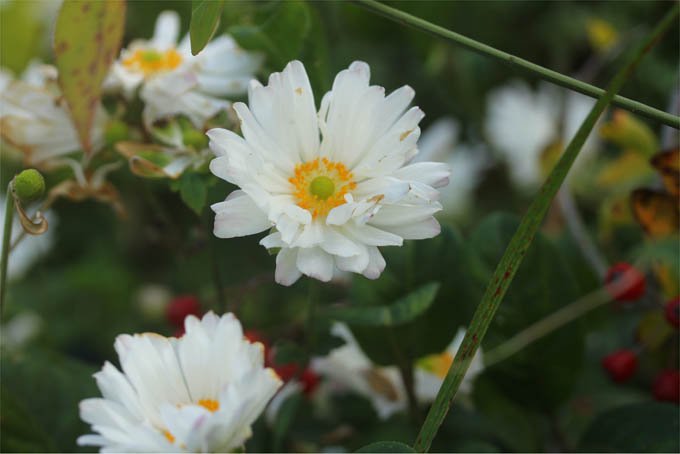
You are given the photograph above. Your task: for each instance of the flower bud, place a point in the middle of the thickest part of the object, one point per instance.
(29, 185)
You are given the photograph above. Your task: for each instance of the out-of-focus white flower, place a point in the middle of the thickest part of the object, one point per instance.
(174, 81)
(288, 390)
(439, 143)
(332, 200)
(522, 123)
(30, 248)
(430, 371)
(34, 118)
(348, 368)
(153, 299)
(198, 393)
(20, 330)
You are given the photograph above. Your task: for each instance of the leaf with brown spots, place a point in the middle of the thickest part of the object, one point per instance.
(657, 212)
(87, 38)
(668, 164)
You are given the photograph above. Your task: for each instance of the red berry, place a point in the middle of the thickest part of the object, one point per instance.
(310, 381)
(286, 371)
(620, 365)
(625, 282)
(666, 386)
(181, 307)
(672, 311)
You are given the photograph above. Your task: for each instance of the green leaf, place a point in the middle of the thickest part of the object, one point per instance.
(20, 431)
(21, 34)
(205, 18)
(284, 420)
(193, 192)
(402, 311)
(61, 383)
(87, 39)
(641, 427)
(287, 352)
(281, 36)
(386, 446)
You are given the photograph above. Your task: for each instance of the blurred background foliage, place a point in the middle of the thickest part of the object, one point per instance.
(552, 396)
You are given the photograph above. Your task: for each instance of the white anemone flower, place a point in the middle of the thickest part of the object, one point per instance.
(348, 368)
(199, 393)
(440, 143)
(335, 186)
(30, 248)
(175, 81)
(35, 119)
(522, 123)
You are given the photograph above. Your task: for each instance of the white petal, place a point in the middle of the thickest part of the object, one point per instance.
(376, 263)
(238, 216)
(316, 263)
(166, 31)
(433, 174)
(287, 272)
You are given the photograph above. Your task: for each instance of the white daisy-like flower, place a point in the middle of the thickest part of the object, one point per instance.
(175, 81)
(31, 248)
(522, 123)
(439, 143)
(199, 393)
(348, 368)
(335, 186)
(34, 118)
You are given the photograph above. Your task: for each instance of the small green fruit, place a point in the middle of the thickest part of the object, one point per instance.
(29, 185)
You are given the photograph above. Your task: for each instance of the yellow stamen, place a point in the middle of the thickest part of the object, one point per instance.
(209, 404)
(149, 61)
(321, 185)
(169, 436)
(437, 364)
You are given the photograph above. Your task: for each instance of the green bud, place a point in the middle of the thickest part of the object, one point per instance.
(196, 139)
(116, 131)
(29, 185)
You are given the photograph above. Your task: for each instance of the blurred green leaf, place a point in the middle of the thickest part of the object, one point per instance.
(287, 352)
(87, 39)
(205, 18)
(284, 420)
(49, 387)
(445, 259)
(402, 311)
(20, 430)
(21, 33)
(543, 374)
(642, 427)
(193, 192)
(281, 36)
(386, 446)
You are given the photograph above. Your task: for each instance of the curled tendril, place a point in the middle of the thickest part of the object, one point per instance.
(33, 226)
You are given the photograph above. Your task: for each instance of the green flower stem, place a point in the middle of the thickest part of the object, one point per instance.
(521, 241)
(6, 236)
(545, 73)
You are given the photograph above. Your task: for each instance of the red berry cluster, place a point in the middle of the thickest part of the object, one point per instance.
(307, 378)
(625, 282)
(180, 308)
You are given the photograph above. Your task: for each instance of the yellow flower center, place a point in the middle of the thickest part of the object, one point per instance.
(150, 61)
(437, 364)
(321, 185)
(209, 404)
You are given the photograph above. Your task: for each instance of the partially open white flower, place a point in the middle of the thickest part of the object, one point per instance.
(198, 393)
(334, 187)
(467, 162)
(348, 368)
(522, 123)
(175, 81)
(34, 118)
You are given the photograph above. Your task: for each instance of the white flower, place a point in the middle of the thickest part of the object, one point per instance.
(21, 330)
(439, 143)
(34, 118)
(174, 81)
(331, 199)
(198, 393)
(349, 368)
(522, 123)
(30, 248)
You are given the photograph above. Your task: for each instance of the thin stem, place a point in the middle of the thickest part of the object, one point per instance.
(578, 231)
(522, 240)
(6, 236)
(545, 73)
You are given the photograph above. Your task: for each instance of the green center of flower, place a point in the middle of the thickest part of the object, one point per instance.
(151, 56)
(322, 187)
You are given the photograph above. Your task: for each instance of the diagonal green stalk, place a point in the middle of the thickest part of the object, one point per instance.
(514, 254)
(545, 73)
